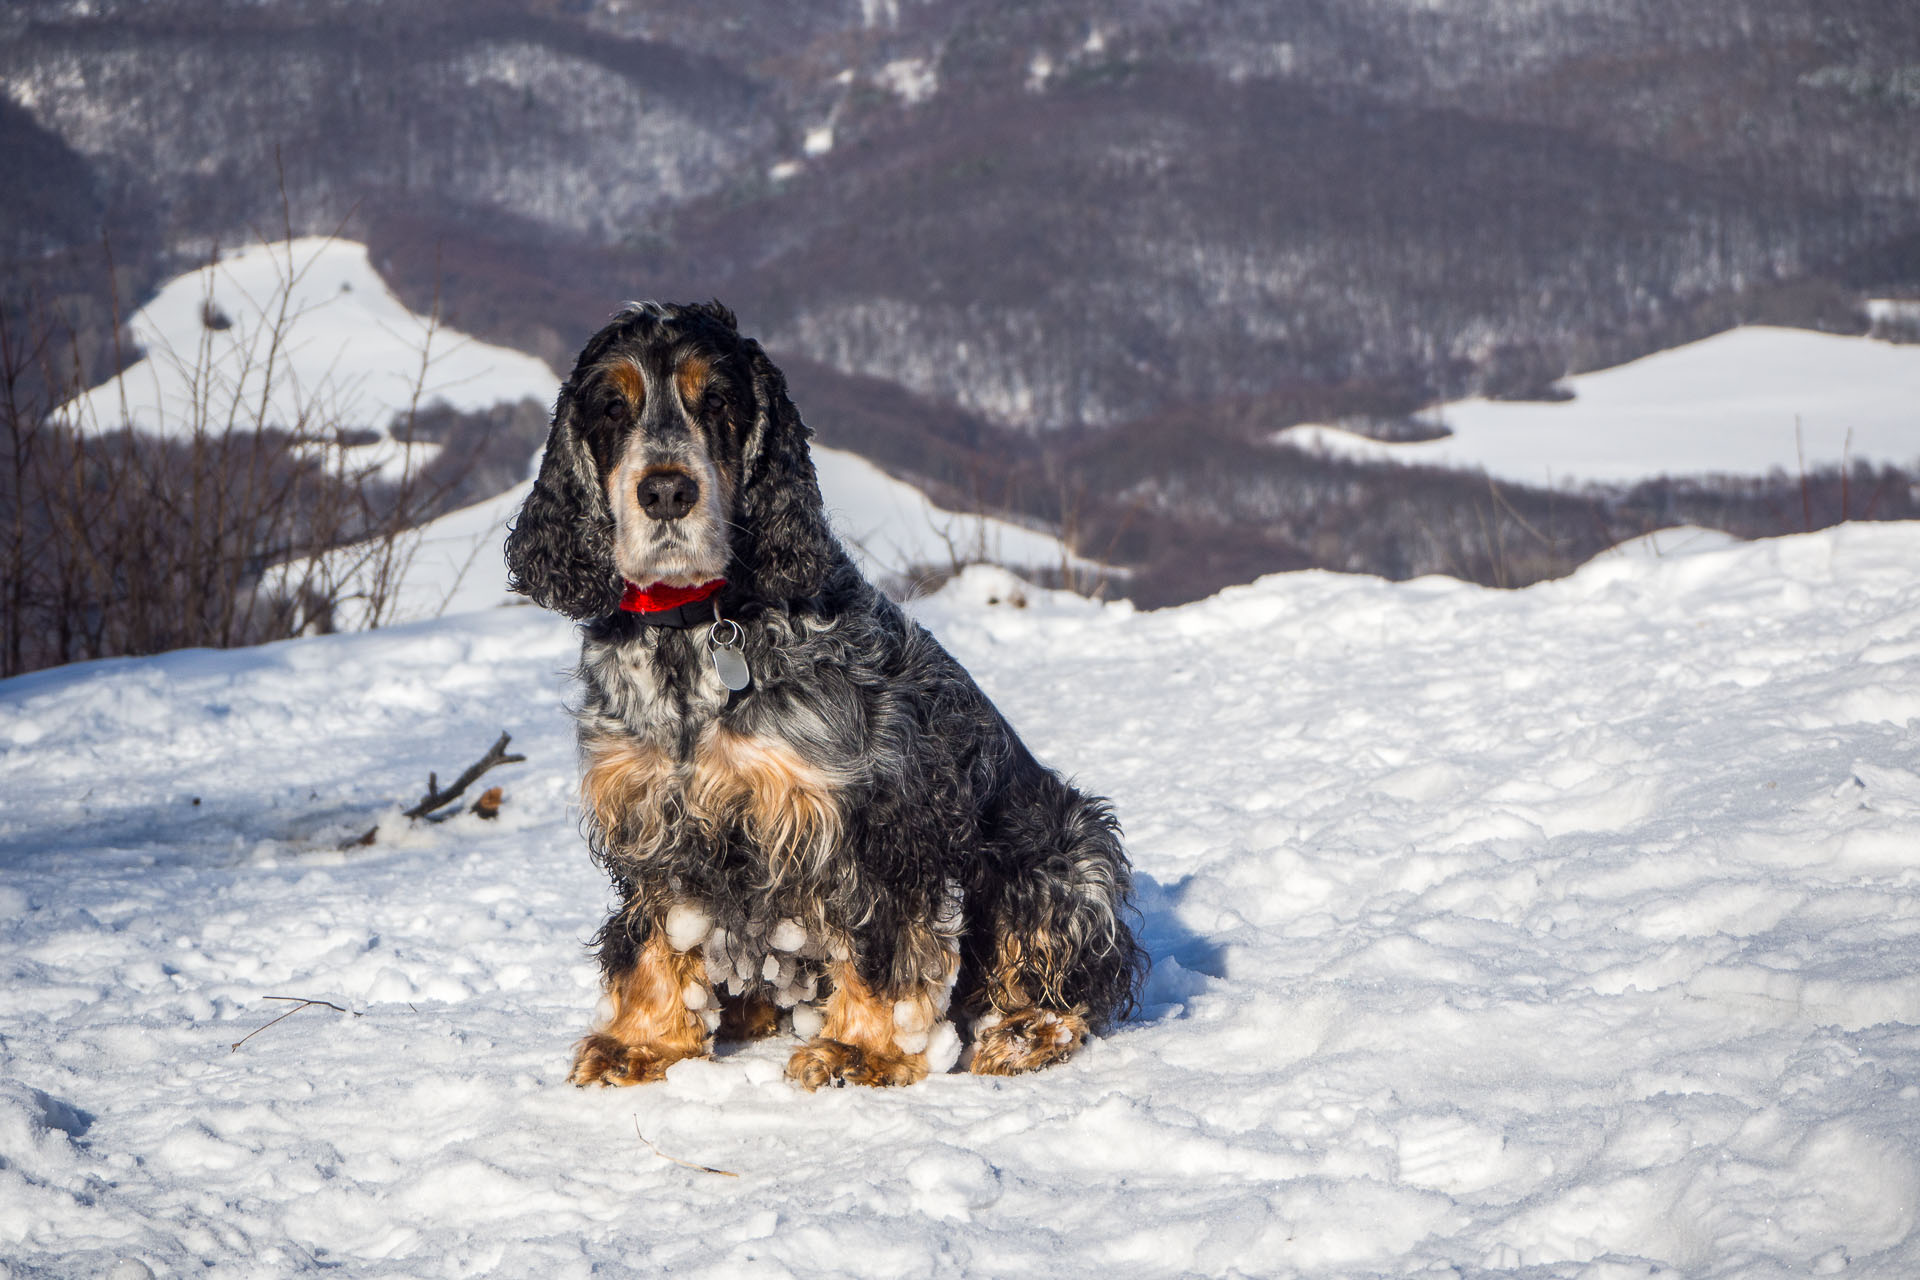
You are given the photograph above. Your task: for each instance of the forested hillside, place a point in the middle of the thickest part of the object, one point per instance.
(996, 237)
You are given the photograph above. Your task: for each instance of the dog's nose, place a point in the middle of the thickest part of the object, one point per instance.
(668, 495)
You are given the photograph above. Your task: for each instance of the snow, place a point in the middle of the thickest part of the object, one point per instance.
(450, 565)
(315, 340)
(892, 527)
(1677, 540)
(1745, 402)
(912, 80)
(447, 566)
(1564, 932)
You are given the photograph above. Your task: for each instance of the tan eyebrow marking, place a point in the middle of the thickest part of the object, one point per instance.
(691, 376)
(625, 376)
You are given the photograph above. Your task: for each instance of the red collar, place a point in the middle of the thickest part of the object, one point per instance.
(660, 597)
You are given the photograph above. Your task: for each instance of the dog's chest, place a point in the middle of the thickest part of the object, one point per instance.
(667, 780)
(664, 690)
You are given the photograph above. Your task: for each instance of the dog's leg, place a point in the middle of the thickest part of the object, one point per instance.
(870, 1037)
(651, 1026)
(752, 1016)
(1059, 956)
(1017, 1034)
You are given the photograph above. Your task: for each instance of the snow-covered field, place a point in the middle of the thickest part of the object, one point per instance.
(1572, 931)
(1744, 402)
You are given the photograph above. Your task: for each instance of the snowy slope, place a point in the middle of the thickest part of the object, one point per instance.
(452, 565)
(893, 528)
(314, 336)
(1744, 402)
(311, 337)
(1568, 932)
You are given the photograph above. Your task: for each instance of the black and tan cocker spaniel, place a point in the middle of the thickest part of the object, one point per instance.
(804, 803)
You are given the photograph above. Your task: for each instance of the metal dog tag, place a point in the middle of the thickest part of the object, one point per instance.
(732, 669)
(728, 662)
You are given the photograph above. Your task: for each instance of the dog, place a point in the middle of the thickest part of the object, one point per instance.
(809, 811)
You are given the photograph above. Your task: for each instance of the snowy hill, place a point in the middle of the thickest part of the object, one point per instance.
(1745, 402)
(1564, 932)
(302, 334)
(890, 527)
(308, 333)
(1115, 207)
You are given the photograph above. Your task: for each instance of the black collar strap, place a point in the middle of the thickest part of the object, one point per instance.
(695, 613)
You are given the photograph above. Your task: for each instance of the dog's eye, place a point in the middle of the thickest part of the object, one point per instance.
(713, 403)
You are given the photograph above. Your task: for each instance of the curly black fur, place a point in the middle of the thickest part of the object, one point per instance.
(938, 802)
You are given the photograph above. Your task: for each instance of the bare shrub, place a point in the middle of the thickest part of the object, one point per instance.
(224, 524)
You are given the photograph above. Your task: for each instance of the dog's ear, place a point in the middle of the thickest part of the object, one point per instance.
(788, 549)
(560, 546)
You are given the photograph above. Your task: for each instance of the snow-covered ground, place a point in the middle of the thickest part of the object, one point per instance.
(1565, 932)
(1744, 402)
(893, 528)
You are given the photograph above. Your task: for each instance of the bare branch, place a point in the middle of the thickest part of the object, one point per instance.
(488, 806)
(435, 797)
(684, 1164)
(304, 1003)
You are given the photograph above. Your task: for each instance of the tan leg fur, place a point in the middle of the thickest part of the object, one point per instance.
(651, 1027)
(860, 1042)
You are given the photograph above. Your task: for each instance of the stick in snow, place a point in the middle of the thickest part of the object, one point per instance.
(685, 1164)
(436, 798)
(497, 754)
(304, 1004)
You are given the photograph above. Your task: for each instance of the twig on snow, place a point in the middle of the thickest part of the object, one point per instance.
(436, 798)
(304, 1003)
(685, 1164)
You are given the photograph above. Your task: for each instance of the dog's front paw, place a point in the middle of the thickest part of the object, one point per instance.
(1027, 1040)
(601, 1059)
(822, 1062)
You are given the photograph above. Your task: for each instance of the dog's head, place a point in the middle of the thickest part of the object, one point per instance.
(675, 456)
